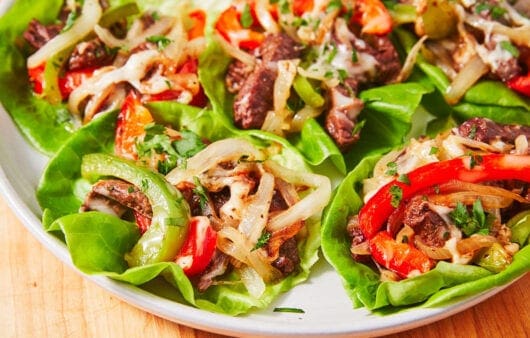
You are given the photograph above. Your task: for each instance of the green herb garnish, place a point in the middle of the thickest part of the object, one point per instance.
(396, 195)
(160, 40)
(288, 309)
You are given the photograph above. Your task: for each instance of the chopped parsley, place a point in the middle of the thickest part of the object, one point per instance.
(246, 17)
(510, 48)
(160, 40)
(396, 194)
(474, 161)
(391, 168)
(354, 56)
(201, 192)
(144, 185)
(403, 178)
(72, 16)
(332, 54)
(433, 151)
(474, 222)
(263, 240)
(343, 74)
(334, 5)
(495, 11)
(175, 151)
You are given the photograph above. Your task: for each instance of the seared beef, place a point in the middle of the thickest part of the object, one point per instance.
(119, 195)
(341, 117)
(217, 267)
(90, 54)
(382, 49)
(37, 34)
(255, 98)
(427, 224)
(237, 73)
(289, 258)
(486, 130)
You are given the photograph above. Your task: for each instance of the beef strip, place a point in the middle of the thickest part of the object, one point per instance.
(388, 64)
(289, 258)
(89, 54)
(119, 195)
(341, 117)
(487, 131)
(37, 34)
(427, 224)
(236, 75)
(255, 98)
(217, 267)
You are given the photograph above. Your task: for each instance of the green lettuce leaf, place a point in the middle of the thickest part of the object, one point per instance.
(44, 126)
(445, 283)
(106, 239)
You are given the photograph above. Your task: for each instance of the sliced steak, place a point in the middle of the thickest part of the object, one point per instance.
(341, 117)
(381, 48)
(255, 97)
(427, 224)
(37, 34)
(487, 131)
(289, 258)
(120, 195)
(90, 54)
(217, 267)
(236, 75)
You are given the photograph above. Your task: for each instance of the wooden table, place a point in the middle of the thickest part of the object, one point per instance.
(40, 296)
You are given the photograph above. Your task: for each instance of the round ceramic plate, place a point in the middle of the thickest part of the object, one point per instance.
(327, 309)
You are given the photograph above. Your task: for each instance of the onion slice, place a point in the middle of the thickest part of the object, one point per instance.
(471, 73)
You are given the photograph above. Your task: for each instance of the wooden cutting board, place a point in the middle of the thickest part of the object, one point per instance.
(42, 297)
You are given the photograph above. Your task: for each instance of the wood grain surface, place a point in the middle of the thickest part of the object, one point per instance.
(42, 297)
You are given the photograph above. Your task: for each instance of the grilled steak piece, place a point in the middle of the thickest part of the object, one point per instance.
(89, 54)
(255, 97)
(427, 224)
(341, 117)
(289, 258)
(217, 267)
(119, 195)
(381, 48)
(237, 73)
(487, 131)
(37, 34)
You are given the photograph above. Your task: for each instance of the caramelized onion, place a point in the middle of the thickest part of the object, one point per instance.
(434, 252)
(474, 243)
(235, 52)
(471, 73)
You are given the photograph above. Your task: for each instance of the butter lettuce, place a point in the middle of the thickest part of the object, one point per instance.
(440, 286)
(98, 243)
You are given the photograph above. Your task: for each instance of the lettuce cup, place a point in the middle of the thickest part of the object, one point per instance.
(442, 218)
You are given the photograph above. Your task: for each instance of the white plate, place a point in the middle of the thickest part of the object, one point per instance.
(328, 310)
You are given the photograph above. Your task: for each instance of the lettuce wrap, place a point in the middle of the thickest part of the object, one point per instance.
(390, 107)
(98, 243)
(445, 283)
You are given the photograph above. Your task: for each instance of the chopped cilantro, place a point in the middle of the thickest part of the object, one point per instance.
(334, 5)
(354, 56)
(474, 161)
(144, 185)
(246, 17)
(343, 74)
(72, 16)
(201, 192)
(288, 309)
(357, 128)
(396, 195)
(160, 40)
(155, 16)
(332, 54)
(189, 145)
(403, 178)
(433, 151)
(470, 223)
(472, 132)
(262, 241)
(510, 48)
(328, 74)
(392, 168)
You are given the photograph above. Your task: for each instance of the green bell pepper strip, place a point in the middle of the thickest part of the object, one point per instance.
(307, 93)
(169, 225)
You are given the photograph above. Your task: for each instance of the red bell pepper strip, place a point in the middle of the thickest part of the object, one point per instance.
(402, 258)
(520, 84)
(302, 6)
(67, 82)
(373, 16)
(198, 248)
(199, 22)
(476, 168)
(132, 119)
(229, 26)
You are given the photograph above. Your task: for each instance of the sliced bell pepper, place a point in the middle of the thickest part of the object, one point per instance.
(198, 248)
(520, 84)
(169, 224)
(302, 6)
(199, 22)
(230, 27)
(476, 168)
(132, 119)
(373, 16)
(402, 258)
(66, 83)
